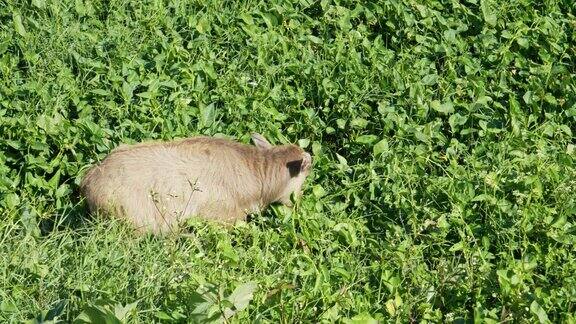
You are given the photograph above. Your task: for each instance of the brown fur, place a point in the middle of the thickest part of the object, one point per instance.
(156, 185)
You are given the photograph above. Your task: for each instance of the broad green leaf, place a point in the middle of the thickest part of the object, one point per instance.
(40, 4)
(101, 92)
(390, 307)
(247, 18)
(80, 7)
(360, 123)
(445, 107)
(457, 247)
(303, 143)
(203, 25)
(207, 115)
(18, 26)
(537, 310)
(318, 191)
(347, 232)
(489, 16)
(523, 42)
(381, 147)
(456, 120)
(430, 79)
(315, 39)
(241, 297)
(8, 306)
(127, 91)
(366, 139)
(342, 161)
(123, 312)
(566, 129)
(11, 201)
(163, 316)
(363, 318)
(55, 180)
(527, 97)
(228, 251)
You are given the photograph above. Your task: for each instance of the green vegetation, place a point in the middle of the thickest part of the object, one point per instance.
(444, 185)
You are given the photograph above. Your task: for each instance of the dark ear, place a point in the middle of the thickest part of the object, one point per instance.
(297, 166)
(260, 141)
(294, 167)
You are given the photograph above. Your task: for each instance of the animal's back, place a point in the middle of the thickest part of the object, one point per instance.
(156, 184)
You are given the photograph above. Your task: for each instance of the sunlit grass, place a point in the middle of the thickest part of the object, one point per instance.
(442, 133)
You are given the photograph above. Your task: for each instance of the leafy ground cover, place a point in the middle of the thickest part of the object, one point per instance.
(442, 132)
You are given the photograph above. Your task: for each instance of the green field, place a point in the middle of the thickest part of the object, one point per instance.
(442, 131)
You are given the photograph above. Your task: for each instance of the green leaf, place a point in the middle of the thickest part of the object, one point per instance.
(527, 97)
(11, 201)
(40, 4)
(537, 310)
(381, 147)
(202, 300)
(566, 129)
(18, 26)
(390, 307)
(228, 251)
(203, 25)
(342, 161)
(247, 18)
(163, 316)
(457, 247)
(445, 108)
(7, 306)
(318, 191)
(127, 91)
(523, 42)
(314, 39)
(347, 233)
(359, 123)
(241, 297)
(123, 312)
(55, 180)
(489, 17)
(208, 68)
(55, 310)
(363, 318)
(430, 79)
(366, 139)
(303, 143)
(80, 7)
(456, 120)
(102, 92)
(207, 115)
(269, 19)
(94, 315)
(145, 94)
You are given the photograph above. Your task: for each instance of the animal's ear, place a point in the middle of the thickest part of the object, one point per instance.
(297, 166)
(306, 162)
(260, 141)
(294, 167)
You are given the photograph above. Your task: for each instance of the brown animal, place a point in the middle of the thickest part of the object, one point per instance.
(156, 185)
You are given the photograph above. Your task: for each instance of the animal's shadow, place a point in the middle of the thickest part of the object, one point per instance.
(76, 217)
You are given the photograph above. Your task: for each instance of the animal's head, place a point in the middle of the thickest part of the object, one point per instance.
(289, 165)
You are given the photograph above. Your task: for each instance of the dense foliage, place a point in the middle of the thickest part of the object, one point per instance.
(444, 183)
